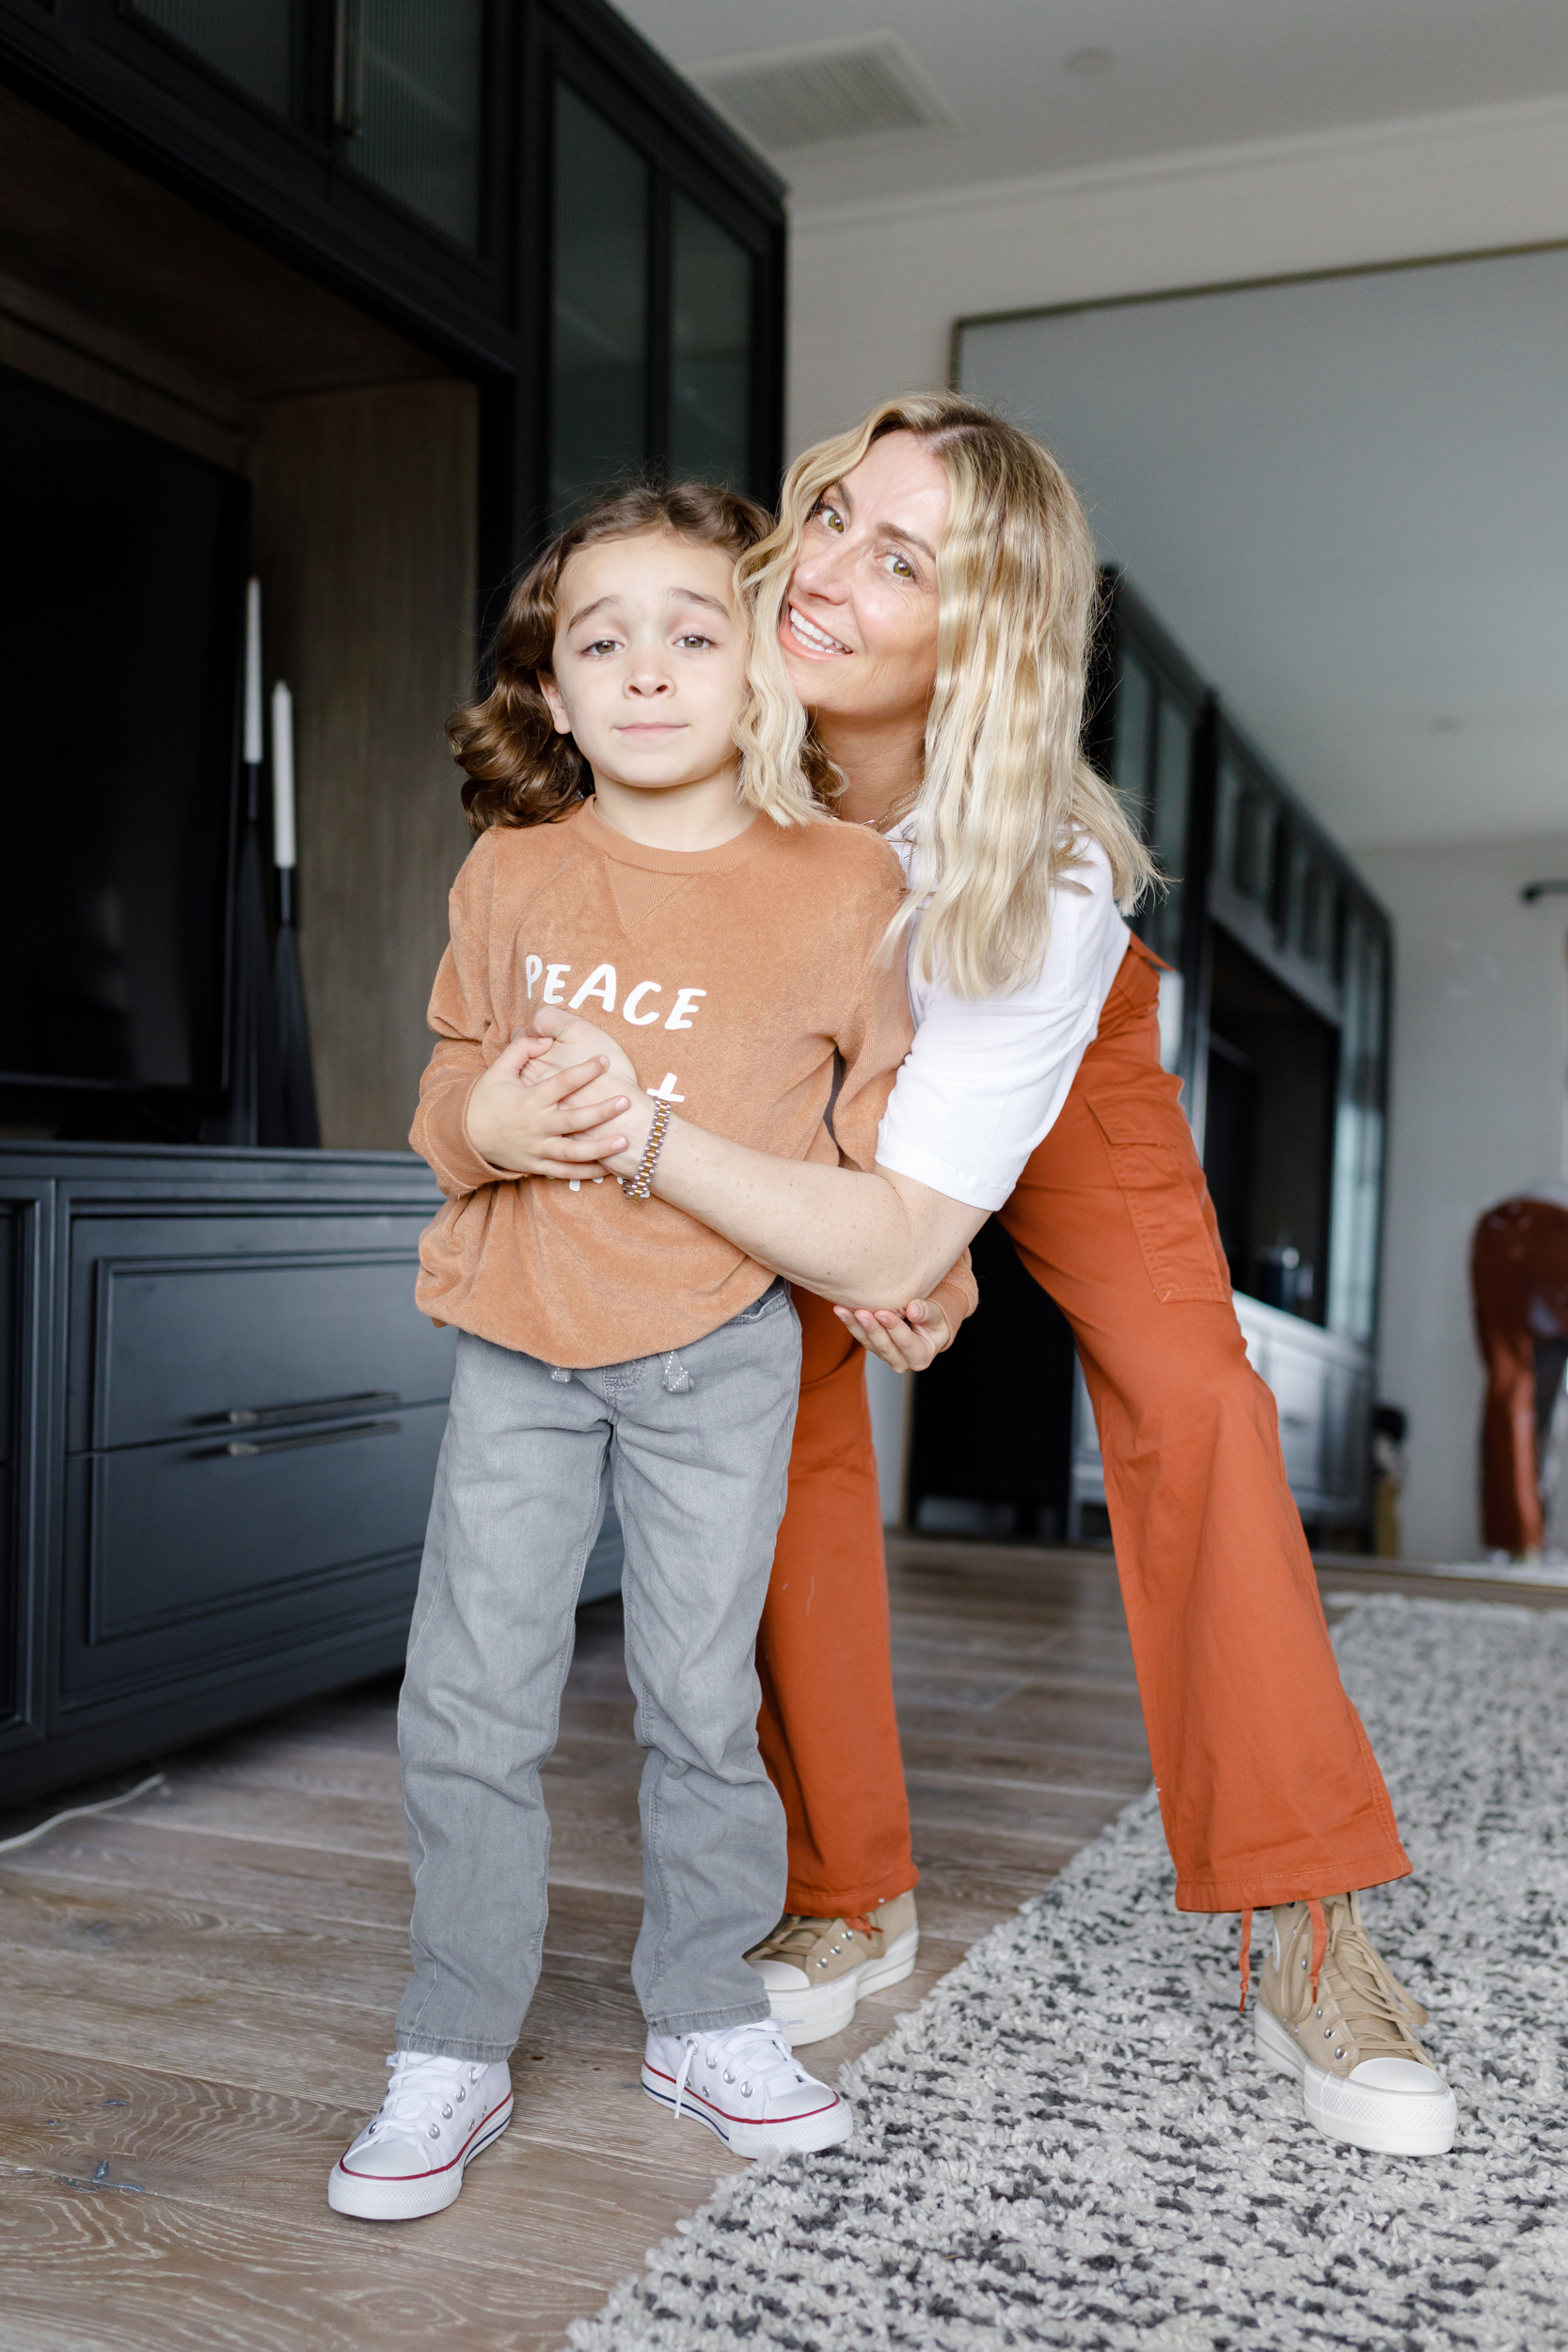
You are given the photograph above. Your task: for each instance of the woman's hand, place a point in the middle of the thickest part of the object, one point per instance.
(534, 1123)
(907, 1341)
(562, 1040)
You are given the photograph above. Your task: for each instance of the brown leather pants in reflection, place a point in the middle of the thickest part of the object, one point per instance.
(1519, 1277)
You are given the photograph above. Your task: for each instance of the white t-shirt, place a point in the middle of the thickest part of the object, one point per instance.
(987, 1077)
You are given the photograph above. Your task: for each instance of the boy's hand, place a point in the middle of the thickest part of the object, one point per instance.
(907, 1341)
(530, 1126)
(571, 1038)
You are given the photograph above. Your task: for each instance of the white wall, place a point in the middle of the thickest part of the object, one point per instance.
(876, 287)
(1480, 1049)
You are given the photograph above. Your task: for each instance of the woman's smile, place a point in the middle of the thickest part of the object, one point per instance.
(809, 638)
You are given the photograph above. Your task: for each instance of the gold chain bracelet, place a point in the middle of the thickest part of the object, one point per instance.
(639, 1186)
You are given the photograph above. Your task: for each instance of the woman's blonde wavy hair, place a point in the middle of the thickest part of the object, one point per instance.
(1007, 797)
(518, 770)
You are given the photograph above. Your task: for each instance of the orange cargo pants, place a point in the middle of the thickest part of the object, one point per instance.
(1268, 1786)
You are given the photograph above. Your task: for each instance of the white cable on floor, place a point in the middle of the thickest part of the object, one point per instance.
(77, 1812)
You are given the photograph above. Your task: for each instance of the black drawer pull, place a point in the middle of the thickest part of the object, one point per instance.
(242, 1448)
(314, 1408)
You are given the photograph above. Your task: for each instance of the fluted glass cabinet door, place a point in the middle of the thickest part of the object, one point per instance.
(599, 376)
(710, 342)
(1358, 1141)
(1170, 832)
(409, 77)
(250, 44)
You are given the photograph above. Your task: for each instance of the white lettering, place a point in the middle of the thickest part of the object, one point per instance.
(533, 966)
(686, 1001)
(600, 983)
(629, 1011)
(666, 1093)
(554, 975)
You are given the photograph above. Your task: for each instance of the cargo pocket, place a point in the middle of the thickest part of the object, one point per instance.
(1157, 1168)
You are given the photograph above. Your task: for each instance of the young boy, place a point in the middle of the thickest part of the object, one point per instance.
(697, 906)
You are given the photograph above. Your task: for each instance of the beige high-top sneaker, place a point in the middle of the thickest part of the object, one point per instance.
(1364, 2075)
(815, 1970)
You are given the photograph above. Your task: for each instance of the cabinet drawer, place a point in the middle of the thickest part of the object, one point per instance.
(1297, 1381)
(246, 1323)
(182, 1555)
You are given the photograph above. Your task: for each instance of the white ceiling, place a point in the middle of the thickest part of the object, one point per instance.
(1183, 74)
(1348, 501)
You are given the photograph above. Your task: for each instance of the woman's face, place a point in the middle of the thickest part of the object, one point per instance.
(858, 627)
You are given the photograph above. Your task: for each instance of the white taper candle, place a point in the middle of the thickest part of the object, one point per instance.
(255, 749)
(282, 775)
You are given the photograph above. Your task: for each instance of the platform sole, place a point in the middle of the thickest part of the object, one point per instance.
(813, 2012)
(1387, 2123)
(799, 2136)
(364, 2198)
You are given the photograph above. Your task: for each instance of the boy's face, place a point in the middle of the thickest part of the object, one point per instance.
(650, 662)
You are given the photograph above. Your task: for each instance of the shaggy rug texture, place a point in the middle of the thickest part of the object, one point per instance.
(1071, 2142)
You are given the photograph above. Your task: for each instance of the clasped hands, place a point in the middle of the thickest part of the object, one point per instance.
(562, 1099)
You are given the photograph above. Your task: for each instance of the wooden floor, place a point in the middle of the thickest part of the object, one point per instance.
(198, 1992)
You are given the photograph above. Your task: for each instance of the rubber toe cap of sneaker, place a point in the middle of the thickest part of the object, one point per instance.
(787, 2107)
(389, 2159)
(1403, 2077)
(780, 1976)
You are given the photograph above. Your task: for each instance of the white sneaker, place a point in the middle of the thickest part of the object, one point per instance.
(745, 2084)
(815, 1970)
(438, 2112)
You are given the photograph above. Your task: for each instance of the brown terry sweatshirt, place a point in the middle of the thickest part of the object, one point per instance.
(734, 977)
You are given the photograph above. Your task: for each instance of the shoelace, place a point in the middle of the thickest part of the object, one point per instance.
(1373, 2003)
(417, 2086)
(760, 2054)
(798, 1934)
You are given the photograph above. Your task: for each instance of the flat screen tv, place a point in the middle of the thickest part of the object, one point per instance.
(122, 560)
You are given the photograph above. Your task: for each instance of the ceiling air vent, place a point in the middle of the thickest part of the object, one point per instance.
(827, 89)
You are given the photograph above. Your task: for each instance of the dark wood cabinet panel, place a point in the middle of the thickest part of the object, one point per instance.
(190, 1324)
(222, 1417)
(178, 1555)
(9, 1238)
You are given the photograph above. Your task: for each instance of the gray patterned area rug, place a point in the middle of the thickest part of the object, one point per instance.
(1071, 2143)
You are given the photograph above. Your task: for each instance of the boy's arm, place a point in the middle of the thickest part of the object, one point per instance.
(473, 1071)
(462, 1017)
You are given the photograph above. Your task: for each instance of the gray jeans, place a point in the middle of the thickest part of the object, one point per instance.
(695, 1450)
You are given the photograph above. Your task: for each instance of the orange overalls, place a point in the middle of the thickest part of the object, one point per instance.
(1268, 1786)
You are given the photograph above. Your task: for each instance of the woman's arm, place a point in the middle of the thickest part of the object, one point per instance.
(874, 1240)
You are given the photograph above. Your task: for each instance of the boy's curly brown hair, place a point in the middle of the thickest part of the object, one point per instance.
(519, 770)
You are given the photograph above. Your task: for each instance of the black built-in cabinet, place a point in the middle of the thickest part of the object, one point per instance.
(219, 1416)
(523, 186)
(219, 1409)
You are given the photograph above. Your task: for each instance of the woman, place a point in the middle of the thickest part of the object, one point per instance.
(930, 591)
